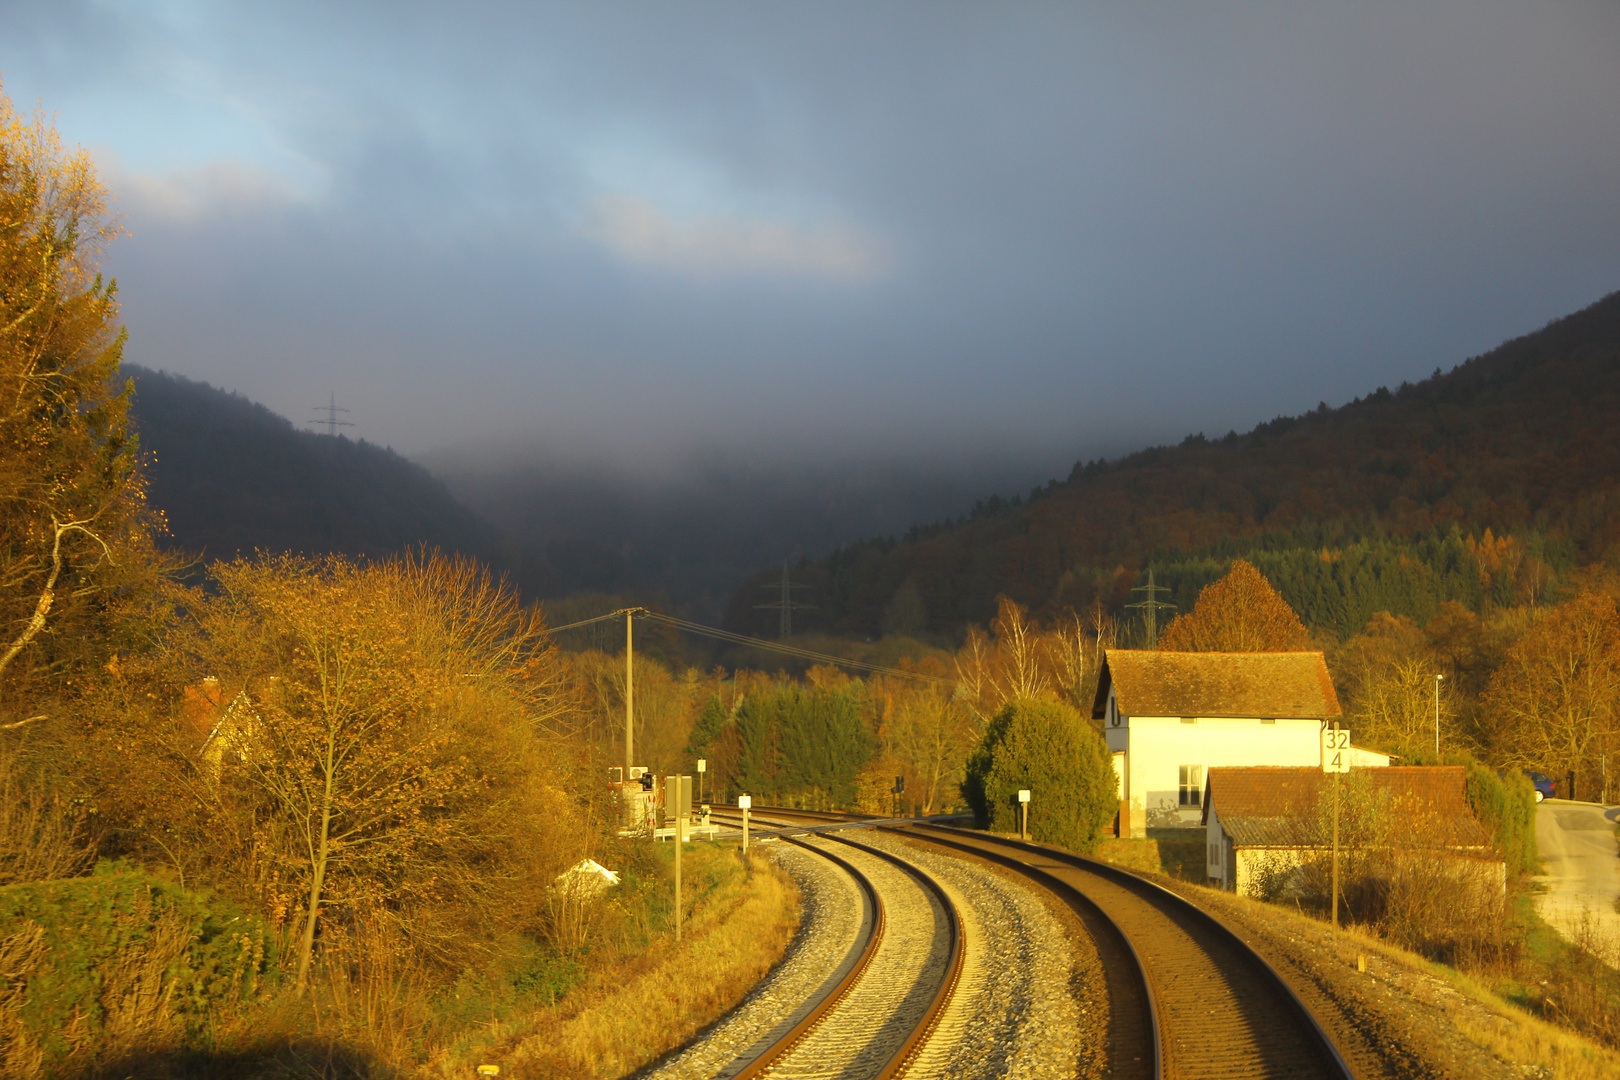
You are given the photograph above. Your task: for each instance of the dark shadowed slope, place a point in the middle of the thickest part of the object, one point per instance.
(1526, 437)
(232, 476)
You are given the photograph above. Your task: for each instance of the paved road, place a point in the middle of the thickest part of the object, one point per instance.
(1582, 857)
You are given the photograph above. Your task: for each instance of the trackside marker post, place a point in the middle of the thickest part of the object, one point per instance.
(1023, 814)
(1335, 760)
(743, 804)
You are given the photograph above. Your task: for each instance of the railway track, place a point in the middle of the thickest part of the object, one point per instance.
(876, 1012)
(1188, 998)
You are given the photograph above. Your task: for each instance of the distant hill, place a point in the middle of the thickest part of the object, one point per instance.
(689, 535)
(232, 477)
(1524, 439)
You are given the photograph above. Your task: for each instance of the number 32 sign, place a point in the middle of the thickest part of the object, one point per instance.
(1335, 750)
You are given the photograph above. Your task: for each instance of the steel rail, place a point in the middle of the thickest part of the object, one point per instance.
(1150, 1051)
(913, 1043)
(764, 1059)
(1149, 892)
(1158, 896)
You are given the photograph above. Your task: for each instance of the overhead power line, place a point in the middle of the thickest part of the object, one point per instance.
(793, 650)
(586, 622)
(758, 643)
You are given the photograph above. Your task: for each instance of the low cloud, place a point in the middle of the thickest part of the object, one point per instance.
(642, 232)
(220, 188)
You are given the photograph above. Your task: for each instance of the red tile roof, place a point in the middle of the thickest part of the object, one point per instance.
(1287, 806)
(1266, 685)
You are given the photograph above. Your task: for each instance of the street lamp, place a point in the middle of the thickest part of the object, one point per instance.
(1437, 679)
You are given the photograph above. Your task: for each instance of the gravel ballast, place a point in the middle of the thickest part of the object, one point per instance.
(1024, 1006)
(828, 925)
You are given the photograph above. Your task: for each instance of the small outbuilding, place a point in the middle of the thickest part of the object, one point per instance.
(1264, 822)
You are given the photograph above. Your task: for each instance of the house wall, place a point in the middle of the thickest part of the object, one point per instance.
(1215, 845)
(1156, 747)
(1252, 863)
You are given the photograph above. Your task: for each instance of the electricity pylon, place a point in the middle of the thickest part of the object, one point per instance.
(331, 423)
(1151, 607)
(786, 605)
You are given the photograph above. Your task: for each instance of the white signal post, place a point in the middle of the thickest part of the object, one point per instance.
(743, 803)
(1335, 760)
(1023, 814)
(702, 766)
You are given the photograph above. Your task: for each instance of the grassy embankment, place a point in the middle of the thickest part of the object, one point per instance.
(125, 973)
(632, 1008)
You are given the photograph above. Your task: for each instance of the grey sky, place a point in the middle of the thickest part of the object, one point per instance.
(1033, 231)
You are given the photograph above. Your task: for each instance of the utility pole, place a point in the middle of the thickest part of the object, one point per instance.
(1151, 607)
(331, 423)
(629, 687)
(786, 605)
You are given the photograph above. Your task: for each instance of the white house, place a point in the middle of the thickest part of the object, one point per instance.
(1171, 716)
(1263, 823)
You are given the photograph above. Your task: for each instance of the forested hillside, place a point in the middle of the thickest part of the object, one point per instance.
(1371, 506)
(233, 477)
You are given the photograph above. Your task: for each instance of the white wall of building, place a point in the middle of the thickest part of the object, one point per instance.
(1156, 749)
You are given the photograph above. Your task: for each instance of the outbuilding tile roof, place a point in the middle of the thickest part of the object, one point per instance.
(1411, 805)
(1266, 685)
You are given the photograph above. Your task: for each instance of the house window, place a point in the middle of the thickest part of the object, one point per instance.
(1215, 854)
(1192, 785)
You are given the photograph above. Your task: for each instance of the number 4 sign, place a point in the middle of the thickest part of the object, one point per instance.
(1335, 750)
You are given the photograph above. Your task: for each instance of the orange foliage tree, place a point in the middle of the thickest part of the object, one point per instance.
(1239, 613)
(387, 721)
(71, 509)
(1552, 704)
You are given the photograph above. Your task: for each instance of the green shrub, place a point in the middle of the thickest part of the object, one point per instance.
(1051, 750)
(1506, 806)
(115, 961)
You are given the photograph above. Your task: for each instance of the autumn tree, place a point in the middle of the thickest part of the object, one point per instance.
(1552, 703)
(1009, 663)
(1239, 613)
(386, 717)
(1395, 707)
(71, 507)
(929, 734)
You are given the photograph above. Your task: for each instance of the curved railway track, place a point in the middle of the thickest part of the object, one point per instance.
(878, 1009)
(1189, 999)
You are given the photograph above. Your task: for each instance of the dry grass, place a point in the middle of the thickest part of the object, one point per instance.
(1510, 1032)
(626, 1016)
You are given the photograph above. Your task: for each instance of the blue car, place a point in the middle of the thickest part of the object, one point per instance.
(1545, 788)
